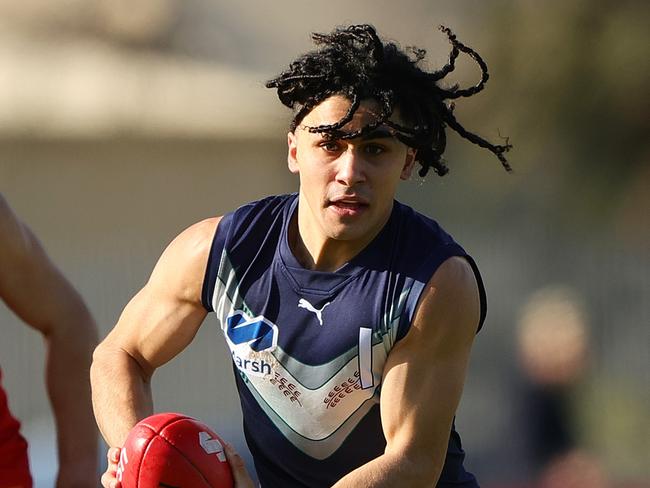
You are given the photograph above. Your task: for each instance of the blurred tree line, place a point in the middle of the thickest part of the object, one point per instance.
(574, 77)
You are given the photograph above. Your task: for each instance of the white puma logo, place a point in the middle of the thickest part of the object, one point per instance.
(302, 303)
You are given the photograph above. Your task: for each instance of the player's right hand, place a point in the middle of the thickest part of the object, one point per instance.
(240, 475)
(109, 478)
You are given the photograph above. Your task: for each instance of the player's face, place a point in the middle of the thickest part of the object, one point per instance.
(347, 186)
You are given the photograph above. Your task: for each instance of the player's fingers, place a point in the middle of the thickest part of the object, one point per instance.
(113, 455)
(108, 480)
(238, 468)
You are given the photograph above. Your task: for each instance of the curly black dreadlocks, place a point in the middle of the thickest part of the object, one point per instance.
(354, 62)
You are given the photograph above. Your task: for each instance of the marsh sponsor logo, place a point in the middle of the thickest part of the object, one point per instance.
(251, 339)
(254, 366)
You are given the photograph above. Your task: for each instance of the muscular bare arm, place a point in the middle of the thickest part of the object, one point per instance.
(423, 382)
(156, 325)
(39, 294)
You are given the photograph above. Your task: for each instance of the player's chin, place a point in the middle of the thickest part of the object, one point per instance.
(347, 231)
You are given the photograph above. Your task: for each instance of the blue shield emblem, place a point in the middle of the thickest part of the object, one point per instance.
(259, 333)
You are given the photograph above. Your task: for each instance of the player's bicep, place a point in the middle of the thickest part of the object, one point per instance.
(163, 318)
(153, 329)
(425, 372)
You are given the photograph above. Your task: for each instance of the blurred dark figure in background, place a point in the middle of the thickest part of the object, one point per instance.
(553, 350)
(34, 289)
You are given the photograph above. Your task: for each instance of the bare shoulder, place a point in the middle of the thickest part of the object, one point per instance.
(184, 261)
(196, 239)
(16, 240)
(9, 223)
(4, 206)
(450, 304)
(5, 209)
(455, 274)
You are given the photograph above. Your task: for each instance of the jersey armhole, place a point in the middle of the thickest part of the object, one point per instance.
(419, 286)
(482, 294)
(214, 261)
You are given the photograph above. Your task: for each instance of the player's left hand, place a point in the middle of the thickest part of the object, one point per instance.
(239, 473)
(109, 479)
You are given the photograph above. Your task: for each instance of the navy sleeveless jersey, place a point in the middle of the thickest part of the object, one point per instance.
(309, 347)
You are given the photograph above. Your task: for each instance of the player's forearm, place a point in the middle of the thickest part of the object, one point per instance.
(390, 470)
(69, 351)
(121, 393)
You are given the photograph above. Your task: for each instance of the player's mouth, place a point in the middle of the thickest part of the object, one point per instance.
(348, 206)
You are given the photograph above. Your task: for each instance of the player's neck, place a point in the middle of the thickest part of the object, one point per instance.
(317, 252)
(322, 257)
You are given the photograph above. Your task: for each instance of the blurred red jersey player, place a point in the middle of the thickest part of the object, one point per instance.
(36, 291)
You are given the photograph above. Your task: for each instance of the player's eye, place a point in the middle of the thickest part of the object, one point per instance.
(329, 146)
(374, 149)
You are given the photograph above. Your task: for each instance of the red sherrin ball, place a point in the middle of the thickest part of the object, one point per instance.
(175, 451)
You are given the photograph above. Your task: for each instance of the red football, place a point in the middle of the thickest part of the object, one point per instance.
(175, 451)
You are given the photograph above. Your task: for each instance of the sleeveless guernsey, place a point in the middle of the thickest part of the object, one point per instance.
(309, 347)
(14, 466)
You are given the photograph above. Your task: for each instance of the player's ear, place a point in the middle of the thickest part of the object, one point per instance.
(409, 163)
(292, 152)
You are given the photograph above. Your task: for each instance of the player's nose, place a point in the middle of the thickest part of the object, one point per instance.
(351, 168)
